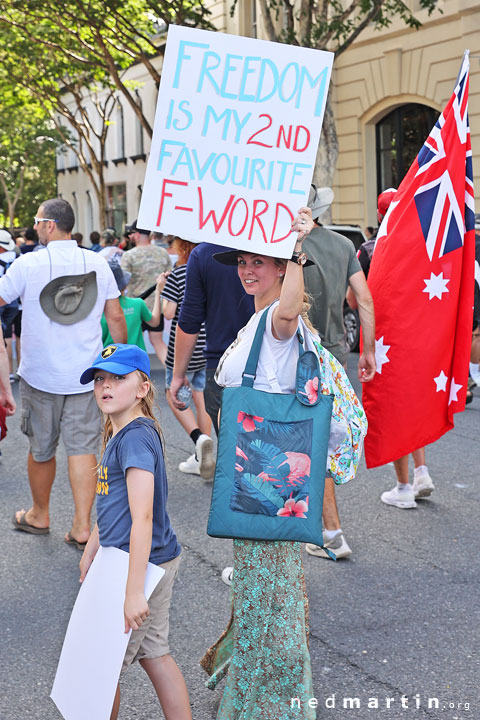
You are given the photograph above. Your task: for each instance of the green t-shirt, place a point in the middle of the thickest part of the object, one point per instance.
(135, 310)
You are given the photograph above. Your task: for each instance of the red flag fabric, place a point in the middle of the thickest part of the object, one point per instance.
(422, 280)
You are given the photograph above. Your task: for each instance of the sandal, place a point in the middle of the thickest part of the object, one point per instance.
(22, 524)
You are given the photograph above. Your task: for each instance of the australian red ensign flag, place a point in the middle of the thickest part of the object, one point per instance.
(422, 281)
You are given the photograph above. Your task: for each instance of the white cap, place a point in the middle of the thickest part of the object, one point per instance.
(6, 240)
(319, 200)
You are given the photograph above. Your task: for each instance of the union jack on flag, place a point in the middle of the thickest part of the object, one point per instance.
(422, 280)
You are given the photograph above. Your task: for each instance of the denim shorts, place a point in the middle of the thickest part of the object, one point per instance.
(196, 379)
(8, 314)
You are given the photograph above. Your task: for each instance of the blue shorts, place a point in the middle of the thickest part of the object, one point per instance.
(196, 379)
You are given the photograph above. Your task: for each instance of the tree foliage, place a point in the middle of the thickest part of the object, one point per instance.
(97, 40)
(27, 155)
(332, 24)
(71, 57)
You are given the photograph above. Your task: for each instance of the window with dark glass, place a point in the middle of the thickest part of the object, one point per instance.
(139, 149)
(120, 122)
(399, 137)
(117, 206)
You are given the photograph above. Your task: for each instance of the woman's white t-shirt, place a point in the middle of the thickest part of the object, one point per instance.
(111, 251)
(277, 364)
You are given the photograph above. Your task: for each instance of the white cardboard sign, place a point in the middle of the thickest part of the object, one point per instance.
(235, 139)
(95, 642)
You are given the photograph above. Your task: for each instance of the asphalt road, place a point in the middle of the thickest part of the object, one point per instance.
(399, 617)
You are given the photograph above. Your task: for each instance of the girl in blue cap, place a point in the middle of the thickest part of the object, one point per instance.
(132, 515)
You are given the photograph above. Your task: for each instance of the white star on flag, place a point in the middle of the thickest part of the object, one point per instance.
(436, 285)
(381, 351)
(441, 381)
(454, 388)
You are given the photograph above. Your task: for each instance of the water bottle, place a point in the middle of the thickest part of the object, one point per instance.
(185, 395)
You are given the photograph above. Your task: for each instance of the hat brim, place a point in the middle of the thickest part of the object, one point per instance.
(230, 257)
(110, 366)
(8, 247)
(85, 307)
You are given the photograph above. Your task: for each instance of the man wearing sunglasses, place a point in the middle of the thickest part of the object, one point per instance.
(64, 291)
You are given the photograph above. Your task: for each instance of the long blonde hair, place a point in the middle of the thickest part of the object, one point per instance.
(146, 406)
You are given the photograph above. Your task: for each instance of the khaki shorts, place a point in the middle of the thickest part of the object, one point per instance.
(151, 639)
(45, 415)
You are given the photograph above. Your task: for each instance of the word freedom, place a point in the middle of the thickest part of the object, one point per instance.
(249, 78)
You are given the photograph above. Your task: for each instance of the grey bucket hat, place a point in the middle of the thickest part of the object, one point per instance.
(319, 200)
(69, 298)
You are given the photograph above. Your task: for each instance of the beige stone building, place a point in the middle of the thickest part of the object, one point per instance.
(388, 89)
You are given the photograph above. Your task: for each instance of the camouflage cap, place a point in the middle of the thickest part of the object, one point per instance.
(109, 234)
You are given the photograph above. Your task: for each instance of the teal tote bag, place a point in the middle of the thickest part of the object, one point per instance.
(272, 456)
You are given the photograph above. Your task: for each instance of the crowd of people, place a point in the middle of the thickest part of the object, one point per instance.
(84, 315)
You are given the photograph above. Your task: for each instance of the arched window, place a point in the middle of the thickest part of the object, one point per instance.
(139, 149)
(75, 210)
(72, 159)
(120, 123)
(399, 137)
(60, 157)
(89, 214)
(254, 19)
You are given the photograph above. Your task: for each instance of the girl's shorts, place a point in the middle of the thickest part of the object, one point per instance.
(197, 379)
(151, 639)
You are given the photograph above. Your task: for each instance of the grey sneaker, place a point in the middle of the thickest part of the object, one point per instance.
(403, 499)
(204, 453)
(338, 546)
(423, 486)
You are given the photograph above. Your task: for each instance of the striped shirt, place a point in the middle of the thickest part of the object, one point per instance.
(174, 291)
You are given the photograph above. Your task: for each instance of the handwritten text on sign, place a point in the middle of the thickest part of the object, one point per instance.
(235, 139)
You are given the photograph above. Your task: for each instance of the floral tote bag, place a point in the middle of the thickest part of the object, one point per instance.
(272, 454)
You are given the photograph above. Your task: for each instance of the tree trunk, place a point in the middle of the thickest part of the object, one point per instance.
(102, 201)
(327, 154)
(11, 214)
(12, 199)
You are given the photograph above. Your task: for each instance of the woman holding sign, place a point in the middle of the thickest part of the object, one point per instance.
(270, 661)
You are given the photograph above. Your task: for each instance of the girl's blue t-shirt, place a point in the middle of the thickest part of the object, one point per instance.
(137, 445)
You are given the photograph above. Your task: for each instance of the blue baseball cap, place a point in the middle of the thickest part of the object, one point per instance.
(118, 359)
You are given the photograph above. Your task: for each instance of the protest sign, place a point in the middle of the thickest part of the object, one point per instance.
(235, 139)
(95, 641)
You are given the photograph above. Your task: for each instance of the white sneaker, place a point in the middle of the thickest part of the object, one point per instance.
(403, 499)
(423, 486)
(191, 466)
(227, 575)
(337, 545)
(204, 453)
